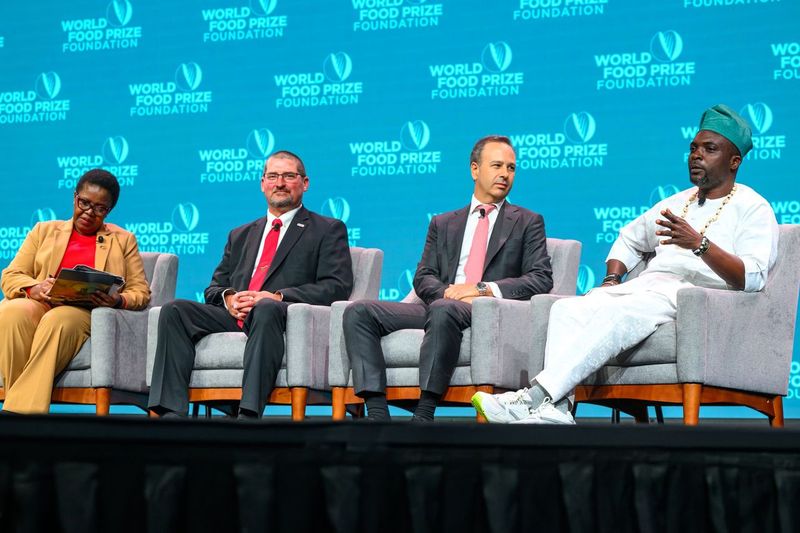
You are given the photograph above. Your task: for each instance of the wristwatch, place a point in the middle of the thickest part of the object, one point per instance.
(483, 289)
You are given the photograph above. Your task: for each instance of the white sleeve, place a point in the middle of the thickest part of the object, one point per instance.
(756, 244)
(636, 238)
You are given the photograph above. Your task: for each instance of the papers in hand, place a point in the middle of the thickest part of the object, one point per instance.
(75, 286)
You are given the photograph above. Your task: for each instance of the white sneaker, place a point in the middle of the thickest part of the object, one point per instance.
(547, 413)
(503, 408)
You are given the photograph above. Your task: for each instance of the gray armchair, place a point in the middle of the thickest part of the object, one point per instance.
(218, 364)
(724, 348)
(494, 353)
(110, 366)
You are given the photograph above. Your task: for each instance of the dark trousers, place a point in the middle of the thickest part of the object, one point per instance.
(183, 323)
(365, 322)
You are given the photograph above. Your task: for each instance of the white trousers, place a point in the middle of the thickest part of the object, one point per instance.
(586, 332)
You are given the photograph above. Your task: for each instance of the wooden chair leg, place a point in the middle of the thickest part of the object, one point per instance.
(659, 414)
(776, 421)
(691, 403)
(152, 414)
(102, 401)
(299, 400)
(337, 403)
(195, 410)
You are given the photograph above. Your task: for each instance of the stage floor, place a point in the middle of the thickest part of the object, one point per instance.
(129, 473)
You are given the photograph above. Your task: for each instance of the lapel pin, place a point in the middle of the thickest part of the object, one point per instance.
(301, 225)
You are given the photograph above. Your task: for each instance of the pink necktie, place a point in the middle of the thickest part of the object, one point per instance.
(477, 252)
(267, 254)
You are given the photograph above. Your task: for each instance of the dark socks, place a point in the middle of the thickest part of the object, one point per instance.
(377, 408)
(427, 405)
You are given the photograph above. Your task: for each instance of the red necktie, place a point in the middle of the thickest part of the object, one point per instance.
(267, 254)
(477, 252)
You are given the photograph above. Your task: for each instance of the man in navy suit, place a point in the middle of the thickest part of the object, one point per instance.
(490, 248)
(290, 255)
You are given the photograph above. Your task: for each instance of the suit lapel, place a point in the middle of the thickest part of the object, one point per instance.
(102, 248)
(293, 233)
(251, 245)
(455, 236)
(506, 220)
(60, 241)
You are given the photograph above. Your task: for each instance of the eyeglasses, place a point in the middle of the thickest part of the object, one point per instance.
(98, 209)
(287, 176)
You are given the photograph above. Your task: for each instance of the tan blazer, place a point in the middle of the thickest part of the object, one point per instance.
(44, 248)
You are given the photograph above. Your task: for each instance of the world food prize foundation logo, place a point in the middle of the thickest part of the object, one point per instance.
(488, 78)
(245, 23)
(586, 279)
(612, 218)
(178, 97)
(405, 284)
(388, 15)
(767, 145)
(656, 67)
(569, 148)
(113, 156)
(788, 58)
(2, 41)
(178, 235)
(406, 155)
(40, 104)
(12, 237)
(237, 164)
(547, 9)
(332, 86)
(734, 4)
(112, 32)
(339, 208)
(794, 382)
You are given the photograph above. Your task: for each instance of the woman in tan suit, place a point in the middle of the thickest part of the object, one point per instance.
(38, 338)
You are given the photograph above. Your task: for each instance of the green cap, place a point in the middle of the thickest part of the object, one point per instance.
(727, 122)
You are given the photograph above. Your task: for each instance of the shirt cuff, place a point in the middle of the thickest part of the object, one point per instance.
(225, 293)
(495, 289)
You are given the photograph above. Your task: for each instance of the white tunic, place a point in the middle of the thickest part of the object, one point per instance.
(584, 333)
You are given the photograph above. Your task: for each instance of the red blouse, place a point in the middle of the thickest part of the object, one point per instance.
(80, 251)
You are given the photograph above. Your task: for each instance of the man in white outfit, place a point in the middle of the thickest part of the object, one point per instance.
(718, 234)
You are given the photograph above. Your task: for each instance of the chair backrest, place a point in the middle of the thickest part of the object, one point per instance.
(565, 258)
(161, 271)
(367, 266)
(783, 283)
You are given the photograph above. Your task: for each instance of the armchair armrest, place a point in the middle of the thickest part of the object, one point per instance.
(499, 327)
(307, 338)
(720, 340)
(338, 363)
(119, 349)
(152, 340)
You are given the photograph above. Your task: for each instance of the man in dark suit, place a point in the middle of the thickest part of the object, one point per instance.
(491, 248)
(291, 255)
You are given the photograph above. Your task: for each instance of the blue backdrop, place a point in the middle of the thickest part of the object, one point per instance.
(383, 99)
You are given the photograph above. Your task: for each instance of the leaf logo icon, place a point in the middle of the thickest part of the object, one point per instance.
(115, 150)
(48, 85)
(760, 116)
(496, 57)
(260, 143)
(262, 8)
(586, 279)
(580, 127)
(666, 45)
(337, 208)
(119, 12)
(185, 217)
(415, 135)
(188, 76)
(337, 66)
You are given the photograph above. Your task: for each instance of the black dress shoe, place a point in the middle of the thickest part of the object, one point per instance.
(172, 415)
(420, 420)
(244, 414)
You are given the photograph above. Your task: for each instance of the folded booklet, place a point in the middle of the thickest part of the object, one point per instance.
(74, 286)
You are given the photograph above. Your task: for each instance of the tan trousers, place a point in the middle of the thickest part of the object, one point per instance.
(36, 343)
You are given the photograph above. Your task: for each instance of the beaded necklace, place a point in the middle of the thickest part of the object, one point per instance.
(714, 218)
